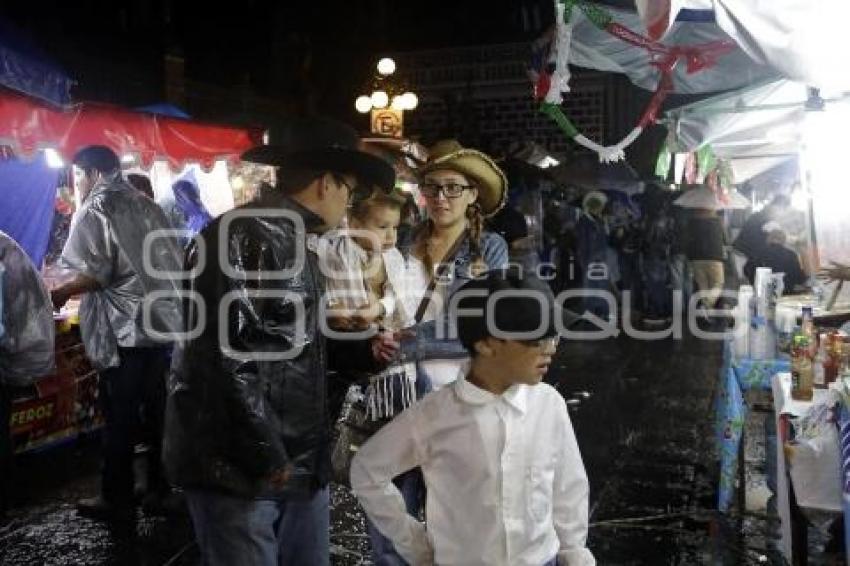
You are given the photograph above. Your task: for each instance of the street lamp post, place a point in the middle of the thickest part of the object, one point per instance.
(387, 101)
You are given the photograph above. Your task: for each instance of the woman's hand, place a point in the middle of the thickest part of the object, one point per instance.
(384, 347)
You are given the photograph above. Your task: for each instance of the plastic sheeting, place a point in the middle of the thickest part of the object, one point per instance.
(27, 340)
(803, 40)
(107, 243)
(597, 49)
(214, 185)
(26, 125)
(25, 70)
(27, 194)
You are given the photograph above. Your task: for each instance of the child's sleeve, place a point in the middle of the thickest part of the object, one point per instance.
(570, 498)
(392, 451)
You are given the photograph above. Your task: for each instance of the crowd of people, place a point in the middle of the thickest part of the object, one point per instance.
(228, 347)
(654, 248)
(234, 345)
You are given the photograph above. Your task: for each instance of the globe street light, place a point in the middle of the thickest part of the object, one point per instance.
(411, 101)
(388, 100)
(386, 66)
(363, 104)
(380, 99)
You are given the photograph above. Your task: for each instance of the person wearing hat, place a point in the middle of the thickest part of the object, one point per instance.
(592, 251)
(248, 426)
(752, 238)
(461, 187)
(506, 482)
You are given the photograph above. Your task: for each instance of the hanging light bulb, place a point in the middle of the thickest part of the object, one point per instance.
(363, 104)
(380, 99)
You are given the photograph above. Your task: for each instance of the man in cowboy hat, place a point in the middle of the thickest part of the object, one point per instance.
(247, 431)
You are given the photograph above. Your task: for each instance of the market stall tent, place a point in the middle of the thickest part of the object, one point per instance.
(803, 41)
(27, 125)
(169, 149)
(596, 49)
(755, 129)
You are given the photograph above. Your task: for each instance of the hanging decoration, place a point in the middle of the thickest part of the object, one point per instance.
(551, 73)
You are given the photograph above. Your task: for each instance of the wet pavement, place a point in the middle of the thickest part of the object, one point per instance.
(642, 412)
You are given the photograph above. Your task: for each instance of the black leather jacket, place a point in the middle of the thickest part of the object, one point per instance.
(232, 420)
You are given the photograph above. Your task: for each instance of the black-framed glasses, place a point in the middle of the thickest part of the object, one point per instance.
(352, 191)
(449, 190)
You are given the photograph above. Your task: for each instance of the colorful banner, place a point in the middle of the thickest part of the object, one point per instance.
(552, 79)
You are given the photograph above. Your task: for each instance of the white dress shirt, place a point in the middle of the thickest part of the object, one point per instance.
(506, 484)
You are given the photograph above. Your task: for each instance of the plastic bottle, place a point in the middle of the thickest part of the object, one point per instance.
(808, 328)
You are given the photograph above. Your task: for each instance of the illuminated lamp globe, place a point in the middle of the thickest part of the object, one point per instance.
(380, 99)
(363, 104)
(398, 103)
(411, 101)
(386, 66)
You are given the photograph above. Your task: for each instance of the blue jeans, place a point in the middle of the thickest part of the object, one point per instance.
(294, 531)
(412, 488)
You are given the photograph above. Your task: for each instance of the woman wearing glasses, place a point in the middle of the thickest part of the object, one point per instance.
(461, 188)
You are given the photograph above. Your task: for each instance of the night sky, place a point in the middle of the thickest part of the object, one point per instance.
(312, 51)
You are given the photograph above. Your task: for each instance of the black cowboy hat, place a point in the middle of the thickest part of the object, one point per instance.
(324, 145)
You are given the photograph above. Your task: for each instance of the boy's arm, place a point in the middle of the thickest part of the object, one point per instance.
(392, 451)
(570, 499)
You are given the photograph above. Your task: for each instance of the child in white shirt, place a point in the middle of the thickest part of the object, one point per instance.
(506, 483)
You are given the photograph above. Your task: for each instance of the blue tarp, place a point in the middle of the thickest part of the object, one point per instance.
(24, 69)
(27, 197)
(164, 109)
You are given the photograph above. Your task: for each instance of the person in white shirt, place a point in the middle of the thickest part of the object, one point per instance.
(506, 483)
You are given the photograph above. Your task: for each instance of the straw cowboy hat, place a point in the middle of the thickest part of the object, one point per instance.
(490, 181)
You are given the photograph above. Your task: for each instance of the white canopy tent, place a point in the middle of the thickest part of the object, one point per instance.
(597, 49)
(803, 40)
(755, 129)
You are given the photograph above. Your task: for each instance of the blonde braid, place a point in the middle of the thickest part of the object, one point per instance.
(421, 246)
(477, 265)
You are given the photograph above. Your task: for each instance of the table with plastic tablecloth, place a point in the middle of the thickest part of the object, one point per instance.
(738, 376)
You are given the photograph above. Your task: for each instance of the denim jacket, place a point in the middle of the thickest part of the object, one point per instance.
(426, 345)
